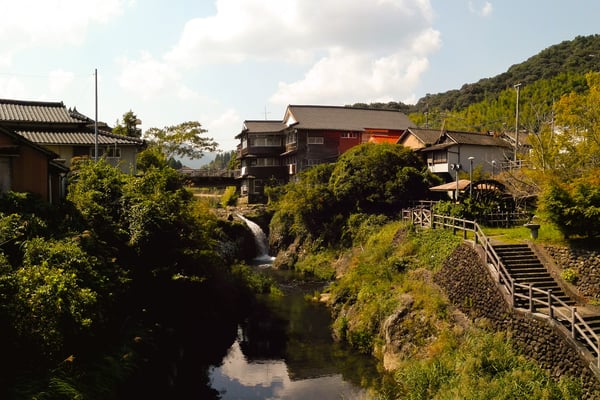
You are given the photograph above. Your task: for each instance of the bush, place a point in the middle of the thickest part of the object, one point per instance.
(230, 197)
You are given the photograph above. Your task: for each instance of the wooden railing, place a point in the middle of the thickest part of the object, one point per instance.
(547, 304)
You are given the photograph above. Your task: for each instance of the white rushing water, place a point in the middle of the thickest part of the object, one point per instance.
(262, 246)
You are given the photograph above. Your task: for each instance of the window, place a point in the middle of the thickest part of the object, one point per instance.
(440, 157)
(265, 141)
(258, 186)
(349, 135)
(316, 140)
(5, 174)
(106, 151)
(264, 162)
(291, 138)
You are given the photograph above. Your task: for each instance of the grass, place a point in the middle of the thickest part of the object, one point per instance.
(547, 234)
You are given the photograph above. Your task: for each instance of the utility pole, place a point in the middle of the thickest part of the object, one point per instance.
(517, 86)
(96, 115)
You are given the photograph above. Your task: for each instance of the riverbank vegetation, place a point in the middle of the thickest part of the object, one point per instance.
(383, 298)
(105, 296)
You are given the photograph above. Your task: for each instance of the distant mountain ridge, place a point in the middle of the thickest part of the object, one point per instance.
(577, 56)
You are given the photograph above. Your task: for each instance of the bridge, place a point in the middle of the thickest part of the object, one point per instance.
(212, 178)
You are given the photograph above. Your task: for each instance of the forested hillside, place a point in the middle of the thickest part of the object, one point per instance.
(489, 104)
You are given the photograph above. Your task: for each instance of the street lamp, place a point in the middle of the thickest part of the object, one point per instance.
(493, 169)
(456, 167)
(471, 176)
(517, 86)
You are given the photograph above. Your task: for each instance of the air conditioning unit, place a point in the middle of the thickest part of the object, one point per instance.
(292, 169)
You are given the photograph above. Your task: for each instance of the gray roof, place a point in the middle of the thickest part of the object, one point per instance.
(35, 111)
(346, 118)
(78, 138)
(265, 126)
(480, 139)
(426, 136)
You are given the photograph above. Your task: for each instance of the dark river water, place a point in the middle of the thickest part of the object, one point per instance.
(284, 350)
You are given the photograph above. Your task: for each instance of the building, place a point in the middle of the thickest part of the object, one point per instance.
(456, 151)
(276, 151)
(68, 133)
(259, 154)
(28, 167)
(320, 134)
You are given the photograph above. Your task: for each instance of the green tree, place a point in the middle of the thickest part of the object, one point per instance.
(379, 178)
(129, 126)
(183, 140)
(95, 190)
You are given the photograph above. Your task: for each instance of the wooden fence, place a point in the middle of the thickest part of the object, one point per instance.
(546, 304)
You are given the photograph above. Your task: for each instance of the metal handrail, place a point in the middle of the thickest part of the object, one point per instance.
(557, 309)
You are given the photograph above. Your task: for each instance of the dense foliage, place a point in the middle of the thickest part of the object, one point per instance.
(370, 178)
(89, 289)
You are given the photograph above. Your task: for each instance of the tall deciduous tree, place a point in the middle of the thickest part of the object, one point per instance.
(183, 140)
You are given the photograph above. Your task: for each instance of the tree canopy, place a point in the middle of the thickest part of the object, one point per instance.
(182, 140)
(129, 126)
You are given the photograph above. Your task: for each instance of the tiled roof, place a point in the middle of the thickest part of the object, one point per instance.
(78, 138)
(480, 139)
(35, 111)
(264, 126)
(426, 136)
(345, 118)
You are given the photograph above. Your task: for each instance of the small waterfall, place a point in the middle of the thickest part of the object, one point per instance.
(260, 239)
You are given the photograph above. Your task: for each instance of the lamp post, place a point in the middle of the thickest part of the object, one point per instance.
(493, 169)
(471, 176)
(517, 86)
(456, 167)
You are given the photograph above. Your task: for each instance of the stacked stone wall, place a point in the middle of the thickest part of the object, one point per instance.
(585, 264)
(471, 289)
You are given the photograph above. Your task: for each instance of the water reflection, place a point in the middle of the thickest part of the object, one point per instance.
(239, 379)
(284, 350)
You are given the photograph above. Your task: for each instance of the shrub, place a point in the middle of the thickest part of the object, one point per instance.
(569, 275)
(230, 196)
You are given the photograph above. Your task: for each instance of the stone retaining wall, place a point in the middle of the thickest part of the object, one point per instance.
(471, 289)
(586, 265)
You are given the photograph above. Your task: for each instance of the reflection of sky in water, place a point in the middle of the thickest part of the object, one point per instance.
(238, 379)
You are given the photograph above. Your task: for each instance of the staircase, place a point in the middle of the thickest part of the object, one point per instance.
(525, 268)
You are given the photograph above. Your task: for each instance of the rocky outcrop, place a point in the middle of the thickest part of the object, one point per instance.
(470, 288)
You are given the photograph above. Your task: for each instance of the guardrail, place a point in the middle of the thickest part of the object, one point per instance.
(546, 304)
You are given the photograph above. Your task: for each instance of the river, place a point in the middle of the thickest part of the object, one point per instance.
(284, 350)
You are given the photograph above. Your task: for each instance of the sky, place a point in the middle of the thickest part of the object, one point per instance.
(220, 62)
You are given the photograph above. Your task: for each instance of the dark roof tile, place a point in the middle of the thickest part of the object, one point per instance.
(34, 111)
(78, 138)
(346, 118)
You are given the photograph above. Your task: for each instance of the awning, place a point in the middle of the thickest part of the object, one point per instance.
(447, 187)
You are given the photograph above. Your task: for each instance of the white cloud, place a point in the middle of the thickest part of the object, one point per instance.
(348, 50)
(295, 30)
(12, 87)
(52, 22)
(344, 77)
(484, 11)
(59, 80)
(147, 76)
(487, 9)
(223, 129)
